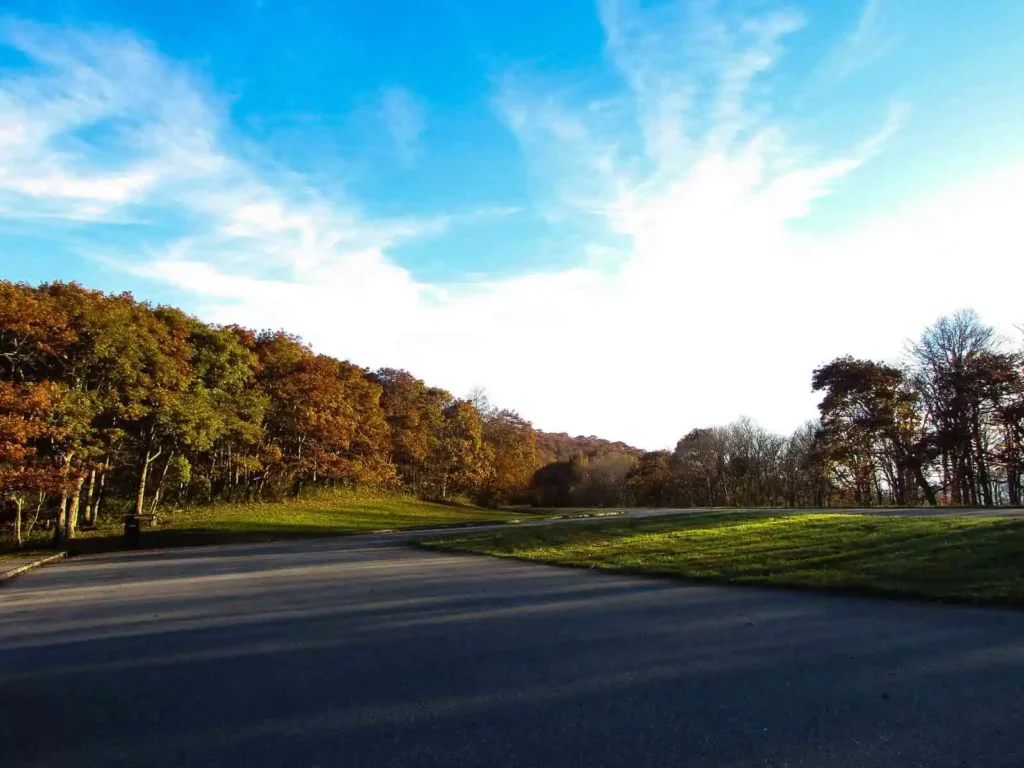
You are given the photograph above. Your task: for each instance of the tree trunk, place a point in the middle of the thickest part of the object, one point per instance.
(948, 484)
(62, 510)
(19, 503)
(99, 497)
(35, 517)
(926, 488)
(89, 519)
(71, 520)
(160, 485)
(140, 496)
(983, 474)
(1013, 480)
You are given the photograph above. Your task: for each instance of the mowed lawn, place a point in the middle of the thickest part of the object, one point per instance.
(978, 560)
(337, 513)
(343, 512)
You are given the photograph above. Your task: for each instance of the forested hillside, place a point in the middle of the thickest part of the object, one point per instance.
(559, 446)
(109, 405)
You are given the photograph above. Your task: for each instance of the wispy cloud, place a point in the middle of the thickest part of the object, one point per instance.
(102, 127)
(405, 120)
(81, 133)
(703, 143)
(868, 42)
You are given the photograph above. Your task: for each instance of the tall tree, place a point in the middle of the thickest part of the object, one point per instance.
(415, 416)
(699, 465)
(462, 459)
(873, 430)
(25, 412)
(324, 416)
(513, 449)
(652, 481)
(947, 373)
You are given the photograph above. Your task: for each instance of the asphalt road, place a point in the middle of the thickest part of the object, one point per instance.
(366, 652)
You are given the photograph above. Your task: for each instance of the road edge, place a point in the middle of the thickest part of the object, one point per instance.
(8, 575)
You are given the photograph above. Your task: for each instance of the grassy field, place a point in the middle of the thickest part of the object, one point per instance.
(977, 560)
(335, 513)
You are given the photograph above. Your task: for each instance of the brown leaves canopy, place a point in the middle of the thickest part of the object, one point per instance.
(513, 446)
(323, 414)
(25, 421)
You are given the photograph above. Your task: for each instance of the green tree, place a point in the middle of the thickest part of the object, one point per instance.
(873, 430)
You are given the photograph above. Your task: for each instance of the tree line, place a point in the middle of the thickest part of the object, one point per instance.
(944, 426)
(110, 405)
(105, 399)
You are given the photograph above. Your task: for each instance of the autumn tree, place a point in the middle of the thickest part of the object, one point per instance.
(34, 334)
(24, 420)
(652, 482)
(415, 416)
(605, 481)
(461, 461)
(512, 446)
(324, 416)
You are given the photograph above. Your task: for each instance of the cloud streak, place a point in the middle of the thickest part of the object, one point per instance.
(405, 120)
(103, 128)
(866, 44)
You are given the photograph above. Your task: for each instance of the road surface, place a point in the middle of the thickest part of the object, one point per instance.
(366, 652)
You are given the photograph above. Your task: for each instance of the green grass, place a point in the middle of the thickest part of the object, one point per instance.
(341, 512)
(328, 514)
(977, 560)
(17, 554)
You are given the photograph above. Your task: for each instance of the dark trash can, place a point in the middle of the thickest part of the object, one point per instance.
(132, 531)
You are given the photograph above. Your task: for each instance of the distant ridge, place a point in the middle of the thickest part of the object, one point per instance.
(560, 446)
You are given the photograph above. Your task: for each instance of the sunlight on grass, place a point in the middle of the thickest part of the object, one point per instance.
(337, 512)
(963, 559)
(340, 512)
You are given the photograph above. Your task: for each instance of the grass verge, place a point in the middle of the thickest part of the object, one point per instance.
(974, 560)
(22, 554)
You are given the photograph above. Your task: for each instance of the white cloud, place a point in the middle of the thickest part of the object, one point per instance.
(714, 307)
(101, 126)
(143, 139)
(405, 120)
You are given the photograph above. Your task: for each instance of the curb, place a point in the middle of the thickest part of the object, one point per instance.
(7, 575)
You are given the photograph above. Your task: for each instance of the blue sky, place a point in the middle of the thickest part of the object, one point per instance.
(621, 218)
